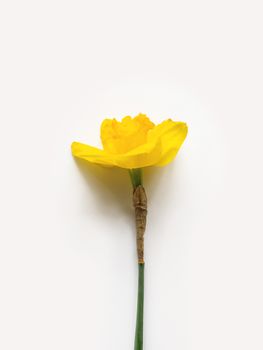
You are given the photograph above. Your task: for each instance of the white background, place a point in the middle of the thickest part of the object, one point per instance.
(68, 269)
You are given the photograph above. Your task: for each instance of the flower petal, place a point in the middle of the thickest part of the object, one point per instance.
(140, 157)
(171, 135)
(91, 154)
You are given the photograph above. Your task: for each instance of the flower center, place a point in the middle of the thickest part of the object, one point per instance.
(122, 137)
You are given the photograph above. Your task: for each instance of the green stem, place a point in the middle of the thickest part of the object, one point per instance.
(138, 344)
(136, 177)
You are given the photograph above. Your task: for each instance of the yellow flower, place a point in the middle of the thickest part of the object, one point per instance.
(134, 143)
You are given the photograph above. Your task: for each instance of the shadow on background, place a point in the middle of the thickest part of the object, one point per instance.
(111, 186)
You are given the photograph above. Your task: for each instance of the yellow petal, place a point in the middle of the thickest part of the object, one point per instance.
(142, 156)
(91, 154)
(171, 135)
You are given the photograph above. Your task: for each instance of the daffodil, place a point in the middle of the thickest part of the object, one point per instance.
(135, 143)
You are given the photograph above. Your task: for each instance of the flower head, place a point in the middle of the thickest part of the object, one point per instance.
(134, 143)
